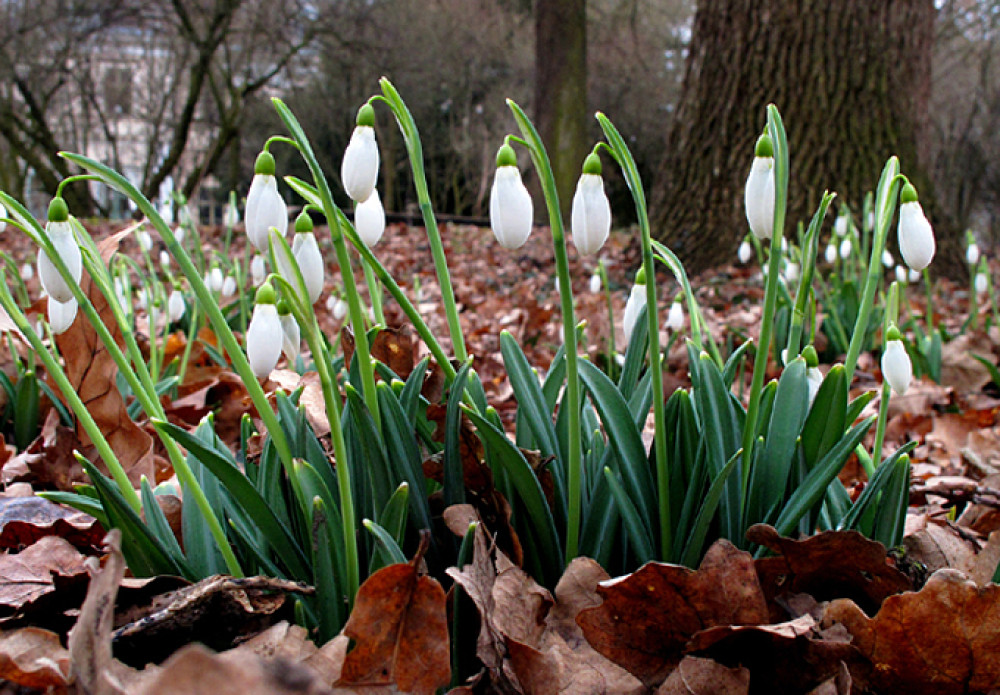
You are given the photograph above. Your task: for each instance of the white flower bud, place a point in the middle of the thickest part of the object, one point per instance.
(842, 225)
(745, 252)
(982, 283)
(511, 211)
(846, 248)
(791, 272)
(175, 306)
(675, 317)
(229, 286)
(814, 379)
(591, 212)
(264, 340)
(340, 309)
(636, 301)
(164, 260)
(359, 169)
(914, 275)
(896, 367)
(916, 238)
(265, 209)
(61, 314)
(231, 216)
(61, 235)
(145, 241)
(901, 274)
(179, 233)
(595, 283)
(759, 197)
(215, 279)
(887, 260)
(830, 253)
(291, 337)
(3, 217)
(258, 269)
(369, 219)
(27, 271)
(972, 254)
(310, 260)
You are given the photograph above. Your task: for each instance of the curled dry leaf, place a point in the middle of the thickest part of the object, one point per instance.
(34, 658)
(942, 640)
(649, 616)
(29, 576)
(48, 462)
(698, 676)
(832, 564)
(25, 520)
(400, 625)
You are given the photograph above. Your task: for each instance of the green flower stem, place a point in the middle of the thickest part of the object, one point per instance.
(572, 398)
(890, 318)
(362, 351)
(603, 274)
(75, 403)
(306, 317)
(414, 149)
(885, 204)
(809, 250)
(193, 320)
(929, 294)
(374, 292)
(625, 160)
(214, 315)
(776, 130)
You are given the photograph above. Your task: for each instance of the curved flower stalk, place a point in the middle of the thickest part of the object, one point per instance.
(511, 211)
(359, 168)
(60, 233)
(265, 206)
(591, 213)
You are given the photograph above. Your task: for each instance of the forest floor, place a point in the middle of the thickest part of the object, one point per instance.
(833, 613)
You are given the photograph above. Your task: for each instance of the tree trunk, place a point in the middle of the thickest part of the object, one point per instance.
(851, 80)
(561, 89)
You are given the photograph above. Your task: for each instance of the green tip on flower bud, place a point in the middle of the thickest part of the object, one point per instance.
(764, 147)
(265, 294)
(592, 164)
(303, 223)
(506, 156)
(811, 358)
(366, 116)
(283, 308)
(640, 277)
(264, 164)
(893, 334)
(908, 194)
(58, 212)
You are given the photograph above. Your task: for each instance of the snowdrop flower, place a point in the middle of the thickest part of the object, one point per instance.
(791, 272)
(511, 211)
(759, 193)
(27, 271)
(982, 283)
(814, 377)
(143, 299)
(120, 294)
(842, 225)
(369, 219)
(3, 217)
(144, 240)
(231, 217)
(916, 238)
(745, 252)
(972, 253)
(60, 233)
(595, 283)
(61, 314)
(257, 269)
(215, 279)
(896, 367)
(229, 286)
(591, 212)
(291, 337)
(830, 253)
(359, 169)
(265, 336)
(179, 233)
(887, 260)
(175, 306)
(871, 219)
(901, 276)
(845, 248)
(675, 317)
(633, 307)
(307, 255)
(164, 260)
(265, 206)
(913, 275)
(556, 285)
(340, 309)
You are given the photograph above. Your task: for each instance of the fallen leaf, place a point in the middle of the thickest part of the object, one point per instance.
(25, 520)
(698, 676)
(48, 462)
(649, 616)
(832, 564)
(28, 576)
(941, 640)
(34, 658)
(400, 625)
(311, 398)
(938, 545)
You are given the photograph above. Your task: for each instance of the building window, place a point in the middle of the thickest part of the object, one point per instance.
(118, 90)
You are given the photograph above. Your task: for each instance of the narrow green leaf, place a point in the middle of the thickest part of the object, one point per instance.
(637, 533)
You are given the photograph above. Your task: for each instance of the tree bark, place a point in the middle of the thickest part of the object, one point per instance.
(852, 82)
(561, 89)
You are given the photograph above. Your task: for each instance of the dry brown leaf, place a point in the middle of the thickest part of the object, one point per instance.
(25, 520)
(400, 625)
(311, 398)
(28, 576)
(698, 676)
(48, 462)
(941, 640)
(833, 564)
(34, 658)
(649, 616)
(938, 545)
(959, 369)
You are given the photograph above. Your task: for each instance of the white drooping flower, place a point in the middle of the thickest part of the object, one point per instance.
(759, 193)
(972, 253)
(27, 271)
(901, 274)
(229, 286)
(60, 233)
(310, 260)
(896, 366)
(359, 169)
(913, 275)
(887, 260)
(791, 272)
(369, 219)
(916, 238)
(258, 269)
(595, 283)
(291, 336)
(745, 252)
(845, 248)
(340, 309)
(179, 233)
(265, 206)
(3, 217)
(814, 379)
(982, 283)
(144, 240)
(591, 212)
(830, 253)
(633, 307)
(215, 279)
(164, 260)
(231, 217)
(675, 317)
(841, 225)
(61, 314)
(264, 336)
(511, 211)
(175, 306)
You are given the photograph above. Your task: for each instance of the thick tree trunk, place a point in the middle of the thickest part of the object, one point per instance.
(851, 80)
(561, 89)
